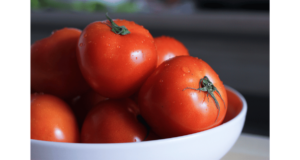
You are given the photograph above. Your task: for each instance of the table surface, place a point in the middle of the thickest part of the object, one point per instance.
(249, 147)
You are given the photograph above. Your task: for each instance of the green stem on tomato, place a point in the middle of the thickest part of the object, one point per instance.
(122, 30)
(210, 89)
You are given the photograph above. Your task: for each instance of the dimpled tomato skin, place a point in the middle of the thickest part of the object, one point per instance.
(113, 121)
(54, 66)
(52, 119)
(116, 65)
(172, 111)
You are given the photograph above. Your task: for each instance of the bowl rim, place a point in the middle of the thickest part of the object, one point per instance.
(152, 142)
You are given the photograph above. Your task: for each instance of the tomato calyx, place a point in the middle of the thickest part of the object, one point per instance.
(122, 30)
(208, 87)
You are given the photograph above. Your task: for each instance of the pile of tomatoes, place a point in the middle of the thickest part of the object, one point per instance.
(113, 82)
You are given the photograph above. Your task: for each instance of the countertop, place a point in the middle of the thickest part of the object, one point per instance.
(249, 147)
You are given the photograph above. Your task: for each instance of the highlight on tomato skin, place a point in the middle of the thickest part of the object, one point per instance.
(116, 65)
(54, 66)
(168, 47)
(113, 121)
(171, 101)
(52, 119)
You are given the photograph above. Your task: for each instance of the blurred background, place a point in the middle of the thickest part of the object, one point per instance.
(230, 35)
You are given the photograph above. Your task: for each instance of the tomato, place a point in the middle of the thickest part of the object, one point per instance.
(171, 102)
(151, 136)
(235, 106)
(54, 66)
(52, 119)
(113, 121)
(81, 105)
(167, 48)
(116, 65)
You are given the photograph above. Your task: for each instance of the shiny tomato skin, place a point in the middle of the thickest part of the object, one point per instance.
(54, 66)
(172, 111)
(113, 121)
(116, 65)
(168, 47)
(52, 119)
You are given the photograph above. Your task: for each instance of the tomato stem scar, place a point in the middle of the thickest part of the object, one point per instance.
(122, 30)
(210, 89)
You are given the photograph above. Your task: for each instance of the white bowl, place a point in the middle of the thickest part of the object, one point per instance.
(211, 144)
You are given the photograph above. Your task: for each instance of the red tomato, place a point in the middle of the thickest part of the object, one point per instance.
(116, 65)
(235, 106)
(81, 105)
(151, 136)
(134, 97)
(52, 119)
(54, 66)
(167, 48)
(113, 121)
(172, 108)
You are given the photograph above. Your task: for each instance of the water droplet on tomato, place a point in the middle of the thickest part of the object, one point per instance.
(137, 139)
(118, 46)
(183, 74)
(166, 64)
(80, 44)
(135, 57)
(108, 44)
(161, 81)
(186, 69)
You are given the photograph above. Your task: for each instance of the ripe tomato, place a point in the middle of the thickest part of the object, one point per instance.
(81, 105)
(170, 105)
(151, 136)
(235, 106)
(54, 66)
(52, 119)
(116, 65)
(167, 48)
(113, 121)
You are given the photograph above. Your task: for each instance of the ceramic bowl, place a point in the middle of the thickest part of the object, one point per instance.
(211, 144)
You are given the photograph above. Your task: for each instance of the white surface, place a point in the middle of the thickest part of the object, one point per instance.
(249, 147)
(211, 144)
